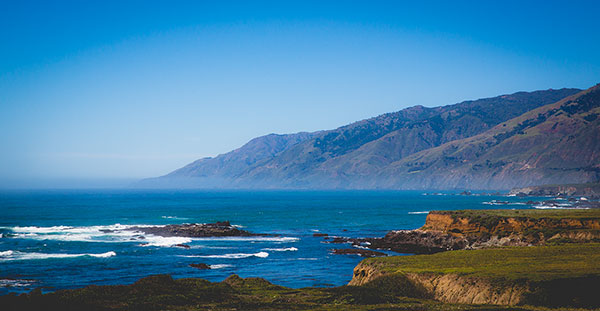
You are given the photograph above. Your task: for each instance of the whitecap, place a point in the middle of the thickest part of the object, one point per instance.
(234, 256)
(154, 240)
(220, 266)
(415, 213)
(16, 255)
(15, 283)
(285, 249)
(249, 239)
(6, 253)
(174, 217)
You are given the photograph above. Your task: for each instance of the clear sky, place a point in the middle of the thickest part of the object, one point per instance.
(94, 93)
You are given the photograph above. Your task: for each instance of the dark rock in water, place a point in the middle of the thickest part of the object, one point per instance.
(340, 240)
(183, 245)
(320, 234)
(357, 251)
(222, 228)
(201, 266)
(417, 242)
(466, 193)
(409, 242)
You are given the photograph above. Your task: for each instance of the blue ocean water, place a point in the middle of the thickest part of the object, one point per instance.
(71, 238)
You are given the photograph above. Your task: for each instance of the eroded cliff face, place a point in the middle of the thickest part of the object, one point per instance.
(451, 288)
(516, 230)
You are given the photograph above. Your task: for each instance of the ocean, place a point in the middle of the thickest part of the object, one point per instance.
(58, 239)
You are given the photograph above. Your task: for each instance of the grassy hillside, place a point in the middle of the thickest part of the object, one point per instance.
(540, 263)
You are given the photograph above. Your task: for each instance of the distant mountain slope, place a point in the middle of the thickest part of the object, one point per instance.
(554, 144)
(342, 157)
(355, 155)
(219, 171)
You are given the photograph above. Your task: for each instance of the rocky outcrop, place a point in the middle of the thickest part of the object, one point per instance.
(201, 266)
(357, 251)
(218, 229)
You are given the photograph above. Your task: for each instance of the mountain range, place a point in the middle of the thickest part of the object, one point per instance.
(515, 140)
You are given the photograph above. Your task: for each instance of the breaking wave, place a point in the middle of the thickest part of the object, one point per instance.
(16, 255)
(232, 256)
(285, 249)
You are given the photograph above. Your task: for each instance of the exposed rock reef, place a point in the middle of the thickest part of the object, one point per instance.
(462, 145)
(357, 251)
(218, 229)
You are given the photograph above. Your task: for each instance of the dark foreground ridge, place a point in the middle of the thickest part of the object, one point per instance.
(218, 229)
(161, 292)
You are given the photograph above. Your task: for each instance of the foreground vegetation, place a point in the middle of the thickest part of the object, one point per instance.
(161, 292)
(541, 263)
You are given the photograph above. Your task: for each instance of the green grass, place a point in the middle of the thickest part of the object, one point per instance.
(541, 263)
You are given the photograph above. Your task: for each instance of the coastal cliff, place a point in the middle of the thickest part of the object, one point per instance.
(523, 226)
(565, 275)
(477, 229)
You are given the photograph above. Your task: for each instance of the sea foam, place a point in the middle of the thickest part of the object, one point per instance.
(285, 249)
(231, 256)
(16, 255)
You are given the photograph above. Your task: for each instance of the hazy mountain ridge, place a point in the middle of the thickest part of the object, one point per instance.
(359, 155)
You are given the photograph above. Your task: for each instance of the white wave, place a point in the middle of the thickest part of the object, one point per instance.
(235, 256)
(250, 239)
(174, 217)
(15, 283)
(285, 249)
(423, 212)
(220, 266)
(116, 233)
(6, 253)
(155, 240)
(16, 255)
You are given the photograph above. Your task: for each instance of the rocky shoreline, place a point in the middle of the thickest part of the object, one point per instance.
(589, 190)
(456, 230)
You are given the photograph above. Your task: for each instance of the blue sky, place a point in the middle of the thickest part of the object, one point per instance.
(93, 93)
